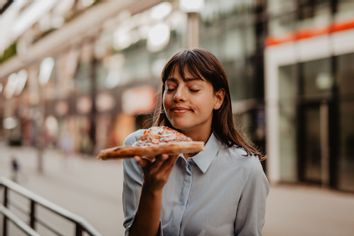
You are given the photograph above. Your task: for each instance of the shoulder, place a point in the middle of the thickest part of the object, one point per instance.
(239, 156)
(250, 167)
(133, 137)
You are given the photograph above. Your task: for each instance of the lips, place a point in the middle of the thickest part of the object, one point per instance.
(180, 110)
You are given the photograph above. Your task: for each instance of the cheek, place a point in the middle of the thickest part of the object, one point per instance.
(207, 107)
(166, 101)
(206, 99)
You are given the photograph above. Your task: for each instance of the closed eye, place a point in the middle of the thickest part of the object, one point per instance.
(194, 90)
(170, 88)
(170, 85)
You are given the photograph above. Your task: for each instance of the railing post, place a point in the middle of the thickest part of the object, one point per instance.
(81, 226)
(78, 229)
(4, 222)
(32, 222)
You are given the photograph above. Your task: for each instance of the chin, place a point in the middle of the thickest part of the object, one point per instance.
(182, 126)
(177, 125)
(182, 122)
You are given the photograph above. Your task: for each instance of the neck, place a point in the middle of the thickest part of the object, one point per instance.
(196, 136)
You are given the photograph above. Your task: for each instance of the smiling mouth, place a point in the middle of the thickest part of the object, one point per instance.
(180, 110)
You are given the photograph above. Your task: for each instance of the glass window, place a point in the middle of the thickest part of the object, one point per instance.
(311, 150)
(210, 36)
(314, 16)
(276, 7)
(231, 37)
(346, 118)
(346, 147)
(345, 10)
(287, 123)
(239, 42)
(282, 26)
(241, 78)
(317, 78)
(345, 75)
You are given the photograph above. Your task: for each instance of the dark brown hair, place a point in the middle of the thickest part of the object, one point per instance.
(204, 64)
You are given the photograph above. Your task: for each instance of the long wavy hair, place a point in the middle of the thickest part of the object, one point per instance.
(202, 63)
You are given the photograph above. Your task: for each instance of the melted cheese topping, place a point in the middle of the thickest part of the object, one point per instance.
(160, 134)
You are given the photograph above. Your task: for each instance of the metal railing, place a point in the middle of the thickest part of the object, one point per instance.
(81, 225)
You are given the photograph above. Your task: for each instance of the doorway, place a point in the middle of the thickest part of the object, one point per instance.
(313, 143)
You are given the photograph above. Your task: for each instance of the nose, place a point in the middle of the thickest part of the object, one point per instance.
(179, 94)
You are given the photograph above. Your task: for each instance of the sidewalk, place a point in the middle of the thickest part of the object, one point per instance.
(309, 211)
(85, 186)
(92, 189)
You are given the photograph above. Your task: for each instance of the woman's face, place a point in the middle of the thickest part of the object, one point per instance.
(189, 103)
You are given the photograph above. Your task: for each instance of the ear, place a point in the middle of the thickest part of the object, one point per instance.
(219, 98)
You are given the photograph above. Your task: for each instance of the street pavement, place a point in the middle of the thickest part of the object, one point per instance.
(92, 189)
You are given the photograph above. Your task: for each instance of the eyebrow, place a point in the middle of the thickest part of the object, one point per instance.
(187, 79)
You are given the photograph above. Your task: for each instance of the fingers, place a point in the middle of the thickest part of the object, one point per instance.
(160, 160)
(157, 172)
(160, 163)
(143, 161)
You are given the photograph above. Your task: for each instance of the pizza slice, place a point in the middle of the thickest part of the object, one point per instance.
(154, 141)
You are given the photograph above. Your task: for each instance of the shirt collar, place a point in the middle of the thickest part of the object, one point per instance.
(204, 158)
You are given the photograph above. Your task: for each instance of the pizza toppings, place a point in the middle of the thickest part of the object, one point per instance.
(154, 141)
(160, 134)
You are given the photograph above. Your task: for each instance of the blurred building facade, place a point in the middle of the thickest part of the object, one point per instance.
(310, 107)
(84, 74)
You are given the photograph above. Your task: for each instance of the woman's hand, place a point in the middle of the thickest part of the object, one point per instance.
(156, 170)
(156, 173)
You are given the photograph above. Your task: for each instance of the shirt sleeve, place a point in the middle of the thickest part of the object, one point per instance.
(251, 208)
(131, 192)
(132, 184)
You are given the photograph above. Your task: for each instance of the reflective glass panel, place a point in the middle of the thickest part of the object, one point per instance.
(287, 123)
(346, 122)
(318, 80)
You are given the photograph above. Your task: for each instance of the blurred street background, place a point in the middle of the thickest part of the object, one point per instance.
(77, 76)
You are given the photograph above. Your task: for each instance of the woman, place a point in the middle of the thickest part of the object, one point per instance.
(218, 191)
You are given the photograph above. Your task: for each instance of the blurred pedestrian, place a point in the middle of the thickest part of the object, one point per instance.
(15, 168)
(221, 190)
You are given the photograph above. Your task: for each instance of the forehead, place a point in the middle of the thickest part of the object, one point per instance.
(185, 74)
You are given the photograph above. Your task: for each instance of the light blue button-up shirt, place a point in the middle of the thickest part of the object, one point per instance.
(219, 191)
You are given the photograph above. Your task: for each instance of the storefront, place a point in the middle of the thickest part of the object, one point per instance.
(310, 107)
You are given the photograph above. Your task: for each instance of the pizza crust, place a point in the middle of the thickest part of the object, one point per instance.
(176, 148)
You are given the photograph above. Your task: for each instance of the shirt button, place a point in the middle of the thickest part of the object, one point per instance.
(189, 168)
